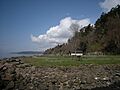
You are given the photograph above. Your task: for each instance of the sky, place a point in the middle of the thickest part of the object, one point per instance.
(35, 25)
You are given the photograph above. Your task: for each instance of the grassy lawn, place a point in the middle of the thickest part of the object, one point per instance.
(69, 61)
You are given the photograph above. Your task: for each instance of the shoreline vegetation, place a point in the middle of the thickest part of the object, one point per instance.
(72, 61)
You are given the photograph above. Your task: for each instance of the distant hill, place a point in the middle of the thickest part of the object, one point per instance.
(28, 52)
(103, 37)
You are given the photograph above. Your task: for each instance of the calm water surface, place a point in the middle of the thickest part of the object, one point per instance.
(8, 55)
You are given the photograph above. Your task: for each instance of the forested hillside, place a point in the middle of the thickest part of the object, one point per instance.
(103, 36)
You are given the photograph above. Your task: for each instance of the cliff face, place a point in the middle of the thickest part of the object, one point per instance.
(104, 36)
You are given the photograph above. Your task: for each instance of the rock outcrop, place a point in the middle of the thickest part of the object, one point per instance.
(16, 75)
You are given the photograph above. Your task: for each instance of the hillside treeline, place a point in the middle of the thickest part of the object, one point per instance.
(103, 36)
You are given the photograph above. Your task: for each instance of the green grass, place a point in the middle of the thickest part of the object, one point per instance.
(69, 61)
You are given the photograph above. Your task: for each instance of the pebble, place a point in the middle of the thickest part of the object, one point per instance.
(96, 78)
(106, 78)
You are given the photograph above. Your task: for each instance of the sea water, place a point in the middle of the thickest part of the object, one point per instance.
(8, 55)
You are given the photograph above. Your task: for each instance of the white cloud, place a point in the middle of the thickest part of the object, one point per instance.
(108, 4)
(59, 34)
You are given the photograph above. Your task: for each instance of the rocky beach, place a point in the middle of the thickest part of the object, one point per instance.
(16, 75)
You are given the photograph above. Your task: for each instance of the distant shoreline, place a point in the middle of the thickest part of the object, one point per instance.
(19, 54)
(28, 52)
